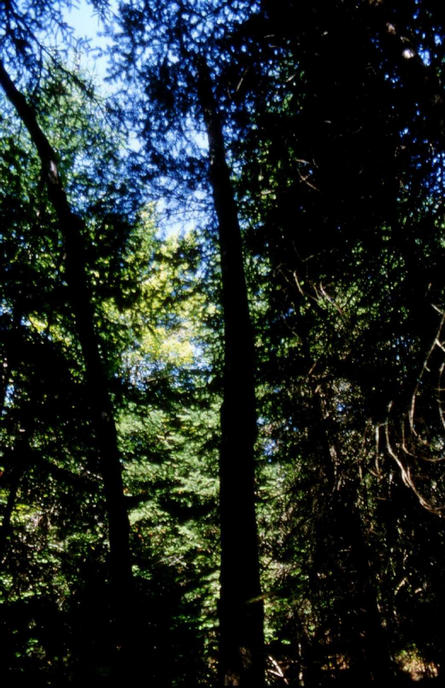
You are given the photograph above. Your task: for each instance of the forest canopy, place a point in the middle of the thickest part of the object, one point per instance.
(222, 312)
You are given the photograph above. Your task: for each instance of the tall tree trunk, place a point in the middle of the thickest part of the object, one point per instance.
(71, 226)
(241, 606)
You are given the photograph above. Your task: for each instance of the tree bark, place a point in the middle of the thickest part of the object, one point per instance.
(71, 226)
(241, 606)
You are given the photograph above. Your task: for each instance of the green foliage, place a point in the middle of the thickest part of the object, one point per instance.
(53, 545)
(334, 130)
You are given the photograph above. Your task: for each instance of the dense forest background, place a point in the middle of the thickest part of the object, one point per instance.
(222, 348)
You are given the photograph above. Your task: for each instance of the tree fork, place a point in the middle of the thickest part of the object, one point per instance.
(241, 605)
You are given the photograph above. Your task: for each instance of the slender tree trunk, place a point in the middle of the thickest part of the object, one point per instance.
(241, 606)
(103, 422)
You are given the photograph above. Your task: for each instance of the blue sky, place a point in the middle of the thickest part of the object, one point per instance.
(84, 20)
(87, 25)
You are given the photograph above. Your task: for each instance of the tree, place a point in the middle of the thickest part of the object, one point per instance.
(326, 197)
(305, 143)
(99, 401)
(180, 58)
(241, 614)
(149, 323)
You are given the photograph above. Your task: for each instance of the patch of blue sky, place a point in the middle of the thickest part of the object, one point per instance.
(92, 43)
(91, 57)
